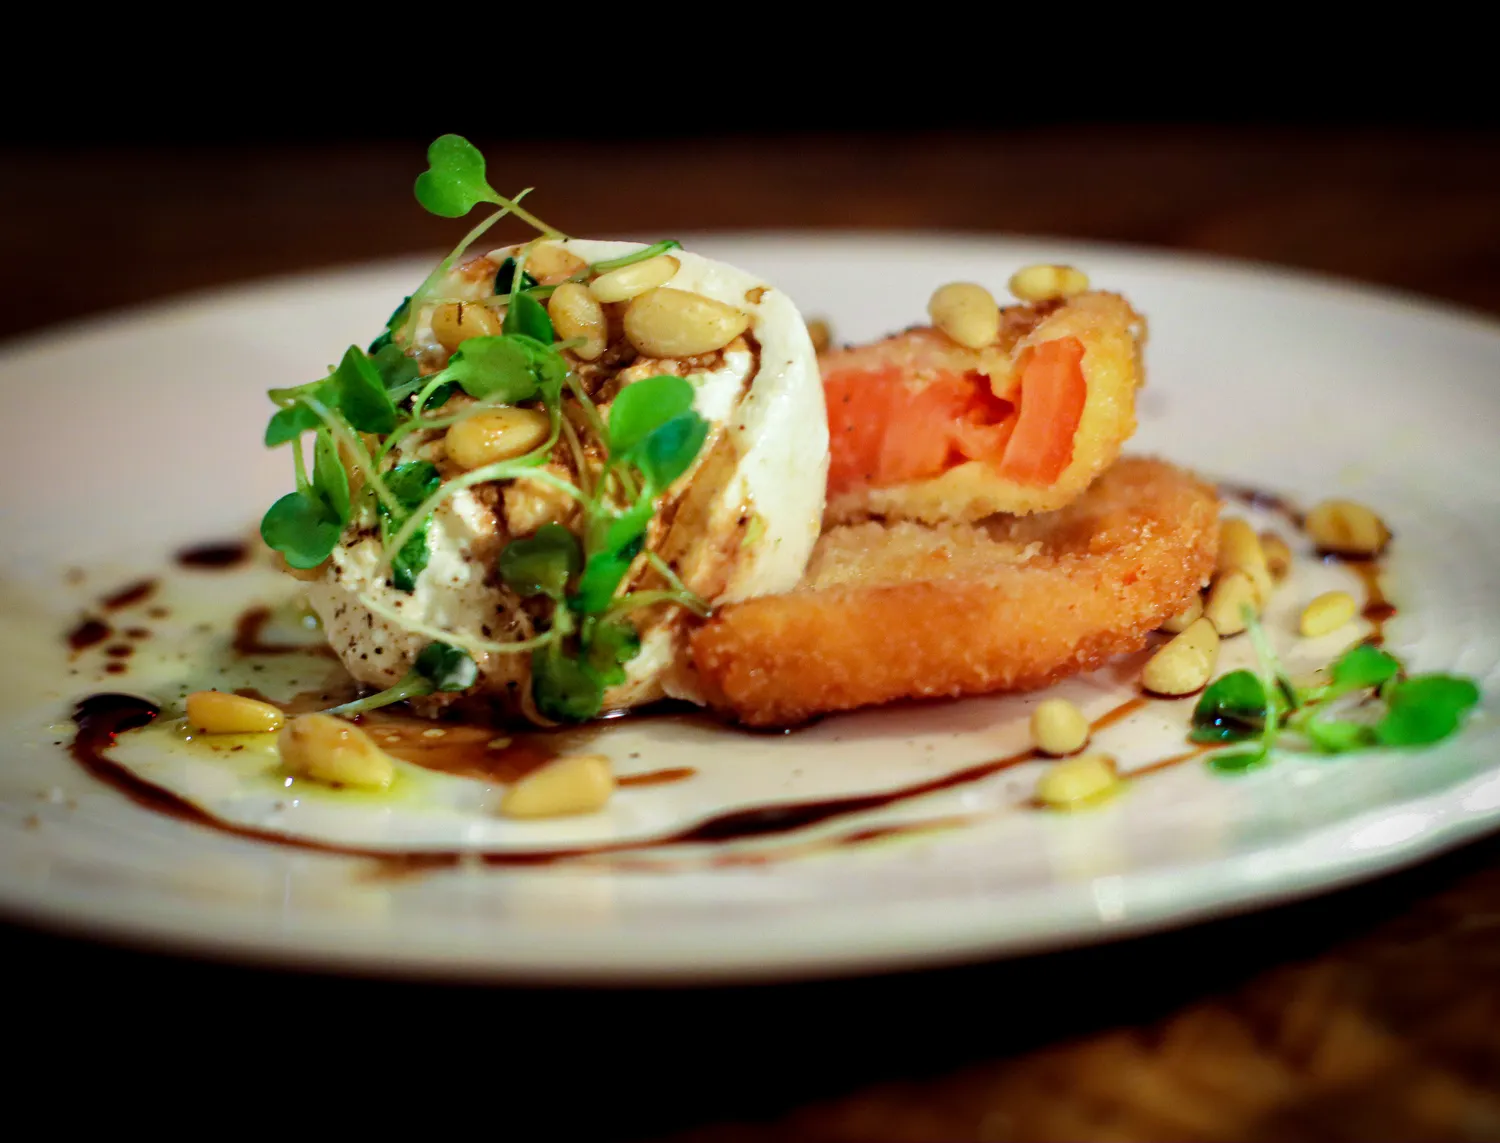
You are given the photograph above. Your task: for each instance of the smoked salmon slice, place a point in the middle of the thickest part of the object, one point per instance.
(923, 428)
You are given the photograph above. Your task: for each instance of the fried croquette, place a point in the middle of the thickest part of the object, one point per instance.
(892, 611)
(922, 428)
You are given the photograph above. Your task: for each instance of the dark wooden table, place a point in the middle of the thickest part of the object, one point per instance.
(1369, 1014)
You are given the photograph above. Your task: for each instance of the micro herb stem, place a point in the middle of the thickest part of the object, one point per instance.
(638, 599)
(342, 433)
(590, 410)
(531, 220)
(412, 686)
(286, 398)
(299, 465)
(420, 297)
(472, 644)
(575, 446)
(635, 256)
(698, 604)
(1269, 670)
(502, 470)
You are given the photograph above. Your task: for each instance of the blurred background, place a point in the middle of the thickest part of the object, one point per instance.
(253, 156)
(136, 169)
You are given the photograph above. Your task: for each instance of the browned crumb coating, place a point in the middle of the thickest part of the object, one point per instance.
(896, 611)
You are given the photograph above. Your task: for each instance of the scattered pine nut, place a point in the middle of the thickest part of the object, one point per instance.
(1183, 665)
(1327, 613)
(1058, 728)
(967, 313)
(573, 784)
(1278, 554)
(1185, 618)
(1347, 528)
(1075, 782)
(214, 712)
(1227, 600)
(1043, 282)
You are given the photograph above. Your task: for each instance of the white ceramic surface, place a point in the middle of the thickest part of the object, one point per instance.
(135, 435)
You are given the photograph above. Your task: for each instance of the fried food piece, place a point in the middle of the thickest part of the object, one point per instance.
(1013, 603)
(922, 428)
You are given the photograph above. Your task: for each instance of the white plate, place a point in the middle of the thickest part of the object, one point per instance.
(135, 435)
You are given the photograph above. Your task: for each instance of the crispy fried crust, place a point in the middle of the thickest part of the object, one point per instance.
(909, 611)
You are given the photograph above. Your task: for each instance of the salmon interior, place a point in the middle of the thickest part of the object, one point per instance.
(884, 431)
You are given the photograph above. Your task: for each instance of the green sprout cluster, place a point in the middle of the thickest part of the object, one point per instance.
(1369, 701)
(376, 397)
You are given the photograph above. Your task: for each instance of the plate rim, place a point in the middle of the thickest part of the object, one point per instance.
(802, 960)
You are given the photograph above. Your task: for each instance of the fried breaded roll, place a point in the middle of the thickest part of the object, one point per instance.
(925, 428)
(892, 611)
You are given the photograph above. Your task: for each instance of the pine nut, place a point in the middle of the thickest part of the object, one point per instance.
(575, 784)
(1072, 783)
(1058, 727)
(495, 435)
(1240, 550)
(453, 323)
(1278, 554)
(967, 313)
(1327, 613)
(820, 333)
(1231, 593)
(549, 263)
(1347, 528)
(1185, 618)
(214, 712)
(328, 749)
(1044, 283)
(675, 323)
(634, 280)
(576, 313)
(1183, 666)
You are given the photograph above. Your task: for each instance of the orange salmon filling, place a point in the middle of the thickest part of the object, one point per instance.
(883, 431)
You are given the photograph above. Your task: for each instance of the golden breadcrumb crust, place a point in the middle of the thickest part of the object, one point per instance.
(892, 611)
(1112, 335)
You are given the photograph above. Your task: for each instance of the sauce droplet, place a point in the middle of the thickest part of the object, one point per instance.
(129, 595)
(87, 633)
(214, 556)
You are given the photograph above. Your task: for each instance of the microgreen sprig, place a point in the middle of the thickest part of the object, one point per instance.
(375, 398)
(1260, 709)
(438, 667)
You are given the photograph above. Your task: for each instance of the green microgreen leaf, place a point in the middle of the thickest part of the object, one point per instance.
(541, 564)
(413, 482)
(410, 483)
(505, 370)
(614, 544)
(1232, 709)
(330, 479)
(1238, 761)
(1362, 666)
(644, 406)
(302, 527)
(1425, 709)
(454, 182)
(564, 689)
(290, 423)
(360, 395)
(669, 451)
(505, 278)
(392, 323)
(1338, 736)
(398, 373)
(446, 667)
(528, 317)
(609, 645)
